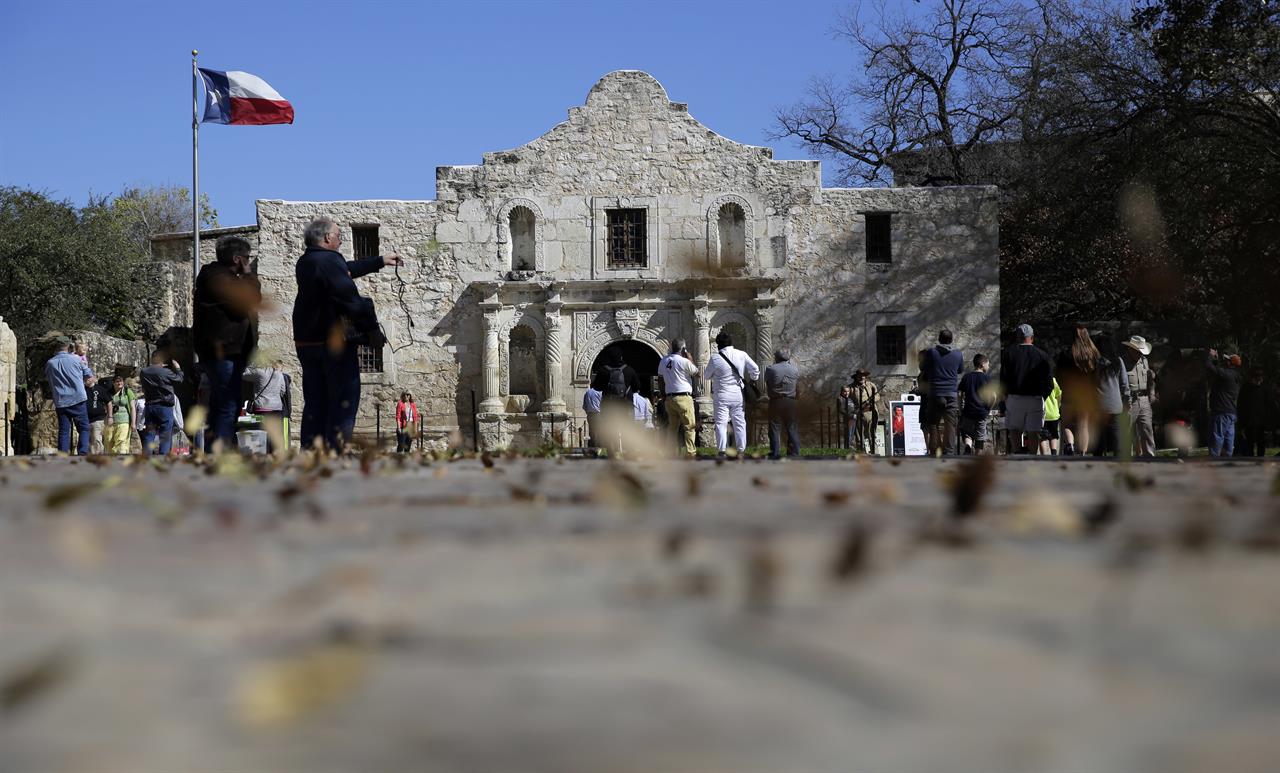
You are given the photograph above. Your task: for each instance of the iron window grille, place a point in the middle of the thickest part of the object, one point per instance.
(370, 358)
(879, 231)
(627, 242)
(891, 345)
(364, 241)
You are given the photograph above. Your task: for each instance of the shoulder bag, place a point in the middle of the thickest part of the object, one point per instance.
(750, 392)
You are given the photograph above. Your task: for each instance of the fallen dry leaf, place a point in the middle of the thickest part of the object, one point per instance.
(28, 681)
(281, 693)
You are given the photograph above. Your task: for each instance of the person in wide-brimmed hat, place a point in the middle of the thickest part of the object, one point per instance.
(1142, 393)
(862, 401)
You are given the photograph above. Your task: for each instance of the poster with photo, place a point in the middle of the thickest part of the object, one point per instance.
(904, 428)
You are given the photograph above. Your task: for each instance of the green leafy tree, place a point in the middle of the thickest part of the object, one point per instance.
(63, 267)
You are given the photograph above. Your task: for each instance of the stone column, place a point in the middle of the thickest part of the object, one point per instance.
(554, 362)
(491, 400)
(764, 334)
(702, 355)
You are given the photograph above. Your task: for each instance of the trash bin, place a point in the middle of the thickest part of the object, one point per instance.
(253, 441)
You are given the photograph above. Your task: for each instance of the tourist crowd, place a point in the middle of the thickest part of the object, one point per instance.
(1096, 396)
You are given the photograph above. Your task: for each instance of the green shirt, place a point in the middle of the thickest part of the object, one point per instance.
(120, 402)
(1053, 403)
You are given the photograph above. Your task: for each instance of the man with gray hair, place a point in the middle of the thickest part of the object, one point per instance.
(780, 378)
(677, 372)
(330, 321)
(1027, 377)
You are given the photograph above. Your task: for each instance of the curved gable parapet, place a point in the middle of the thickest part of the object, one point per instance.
(625, 94)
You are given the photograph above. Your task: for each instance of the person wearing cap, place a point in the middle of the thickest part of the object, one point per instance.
(863, 401)
(1224, 391)
(1026, 375)
(68, 376)
(1142, 393)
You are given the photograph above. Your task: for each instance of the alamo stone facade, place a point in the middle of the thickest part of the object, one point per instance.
(628, 225)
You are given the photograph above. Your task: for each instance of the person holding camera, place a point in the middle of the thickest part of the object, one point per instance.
(729, 371)
(677, 372)
(330, 321)
(1224, 392)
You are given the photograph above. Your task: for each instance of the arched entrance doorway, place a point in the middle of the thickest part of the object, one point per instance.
(641, 357)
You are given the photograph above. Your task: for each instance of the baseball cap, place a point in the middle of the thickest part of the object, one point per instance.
(1024, 331)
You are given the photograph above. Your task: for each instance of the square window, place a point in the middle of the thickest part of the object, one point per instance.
(891, 345)
(626, 241)
(364, 241)
(879, 246)
(370, 358)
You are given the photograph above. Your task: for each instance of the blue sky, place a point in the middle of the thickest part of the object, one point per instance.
(98, 95)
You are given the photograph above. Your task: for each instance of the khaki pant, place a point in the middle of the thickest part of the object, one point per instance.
(118, 437)
(95, 436)
(681, 415)
(1144, 434)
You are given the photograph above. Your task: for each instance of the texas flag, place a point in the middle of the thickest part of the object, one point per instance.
(242, 99)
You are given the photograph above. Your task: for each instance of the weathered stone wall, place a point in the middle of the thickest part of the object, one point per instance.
(630, 146)
(8, 386)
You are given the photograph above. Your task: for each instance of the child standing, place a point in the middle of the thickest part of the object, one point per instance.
(1052, 420)
(975, 407)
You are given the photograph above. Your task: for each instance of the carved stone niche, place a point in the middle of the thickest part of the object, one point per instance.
(627, 321)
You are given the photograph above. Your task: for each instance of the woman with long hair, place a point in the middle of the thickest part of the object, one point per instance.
(1113, 396)
(1078, 378)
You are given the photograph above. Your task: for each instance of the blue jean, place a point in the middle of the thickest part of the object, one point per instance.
(79, 414)
(1222, 434)
(224, 401)
(330, 395)
(158, 427)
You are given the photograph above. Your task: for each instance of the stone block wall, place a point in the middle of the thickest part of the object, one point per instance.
(8, 386)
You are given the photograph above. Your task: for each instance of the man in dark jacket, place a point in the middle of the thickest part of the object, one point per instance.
(330, 320)
(1027, 377)
(225, 332)
(1224, 390)
(940, 372)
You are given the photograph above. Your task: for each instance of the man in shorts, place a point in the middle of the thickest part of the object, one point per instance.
(1027, 377)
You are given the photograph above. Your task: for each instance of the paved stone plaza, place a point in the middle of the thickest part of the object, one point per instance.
(579, 615)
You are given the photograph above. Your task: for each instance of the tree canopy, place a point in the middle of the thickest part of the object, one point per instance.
(68, 267)
(1137, 148)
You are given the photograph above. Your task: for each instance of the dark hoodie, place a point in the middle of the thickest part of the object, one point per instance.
(941, 369)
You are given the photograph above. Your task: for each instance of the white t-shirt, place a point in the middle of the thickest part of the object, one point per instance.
(640, 405)
(591, 400)
(723, 381)
(677, 374)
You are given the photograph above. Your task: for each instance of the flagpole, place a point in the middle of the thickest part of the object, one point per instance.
(195, 172)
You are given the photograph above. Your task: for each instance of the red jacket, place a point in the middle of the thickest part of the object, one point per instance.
(406, 414)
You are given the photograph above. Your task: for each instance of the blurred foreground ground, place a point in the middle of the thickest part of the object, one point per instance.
(546, 615)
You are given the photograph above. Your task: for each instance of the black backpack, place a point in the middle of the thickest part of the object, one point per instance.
(617, 386)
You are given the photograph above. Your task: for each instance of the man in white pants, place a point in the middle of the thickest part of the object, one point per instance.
(727, 370)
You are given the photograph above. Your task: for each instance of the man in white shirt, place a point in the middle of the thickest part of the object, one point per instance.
(728, 370)
(591, 407)
(677, 371)
(641, 410)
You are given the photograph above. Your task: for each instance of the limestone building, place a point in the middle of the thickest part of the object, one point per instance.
(625, 226)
